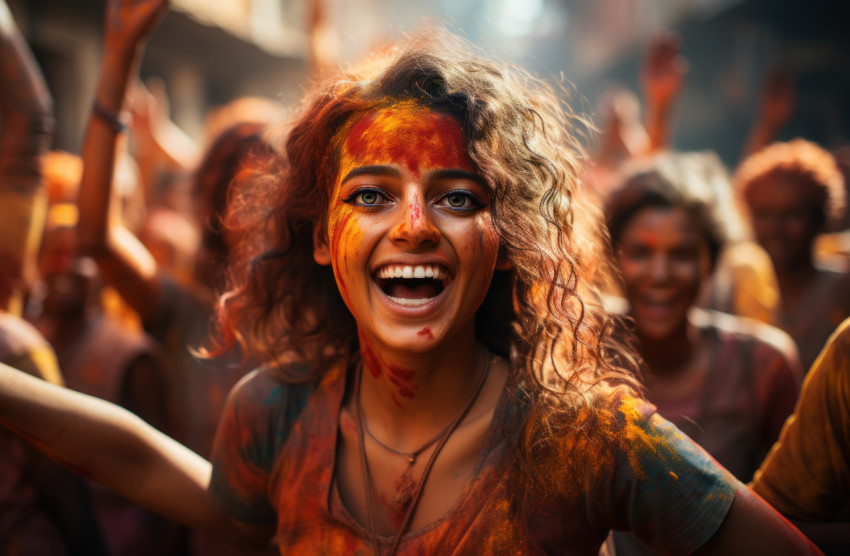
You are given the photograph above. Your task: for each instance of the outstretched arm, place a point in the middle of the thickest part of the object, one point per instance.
(160, 145)
(25, 131)
(662, 76)
(25, 110)
(776, 106)
(117, 449)
(123, 260)
(323, 44)
(753, 527)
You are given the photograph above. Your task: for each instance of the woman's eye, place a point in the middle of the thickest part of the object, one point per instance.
(366, 198)
(460, 200)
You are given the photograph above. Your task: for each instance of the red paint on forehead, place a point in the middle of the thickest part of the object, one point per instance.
(411, 136)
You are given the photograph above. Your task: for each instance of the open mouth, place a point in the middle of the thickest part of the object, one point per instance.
(412, 285)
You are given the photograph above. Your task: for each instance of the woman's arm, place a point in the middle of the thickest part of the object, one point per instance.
(26, 125)
(776, 106)
(124, 262)
(112, 446)
(25, 110)
(662, 76)
(753, 527)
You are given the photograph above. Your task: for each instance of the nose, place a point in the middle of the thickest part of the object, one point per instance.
(414, 226)
(659, 269)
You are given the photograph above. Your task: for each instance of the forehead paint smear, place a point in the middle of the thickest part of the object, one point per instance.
(405, 134)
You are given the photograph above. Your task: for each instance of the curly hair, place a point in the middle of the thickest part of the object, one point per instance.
(806, 164)
(696, 182)
(544, 314)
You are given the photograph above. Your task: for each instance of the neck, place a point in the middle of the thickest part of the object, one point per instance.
(403, 391)
(796, 276)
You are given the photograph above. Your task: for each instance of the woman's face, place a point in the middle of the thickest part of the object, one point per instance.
(782, 213)
(664, 259)
(410, 236)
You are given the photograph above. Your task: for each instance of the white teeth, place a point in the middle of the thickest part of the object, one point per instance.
(419, 271)
(411, 302)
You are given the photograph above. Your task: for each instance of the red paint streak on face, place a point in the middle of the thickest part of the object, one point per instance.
(415, 210)
(337, 246)
(402, 135)
(426, 333)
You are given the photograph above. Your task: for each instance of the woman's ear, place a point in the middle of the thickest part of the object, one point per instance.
(321, 251)
(503, 262)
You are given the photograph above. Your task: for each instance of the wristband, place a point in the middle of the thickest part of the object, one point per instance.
(117, 121)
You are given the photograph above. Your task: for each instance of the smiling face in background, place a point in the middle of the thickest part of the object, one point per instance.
(664, 258)
(783, 217)
(410, 236)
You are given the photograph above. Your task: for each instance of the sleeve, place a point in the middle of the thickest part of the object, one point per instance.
(257, 419)
(661, 486)
(806, 475)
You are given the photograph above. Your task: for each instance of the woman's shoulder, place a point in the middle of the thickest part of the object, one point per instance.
(271, 388)
(638, 472)
(742, 333)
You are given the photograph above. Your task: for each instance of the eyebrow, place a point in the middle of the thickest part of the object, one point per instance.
(437, 175)
(372, 170)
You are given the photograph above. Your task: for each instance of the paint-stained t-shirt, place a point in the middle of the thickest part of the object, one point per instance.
(275, 450)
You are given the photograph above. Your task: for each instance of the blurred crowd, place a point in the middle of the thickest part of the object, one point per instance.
(732, 283)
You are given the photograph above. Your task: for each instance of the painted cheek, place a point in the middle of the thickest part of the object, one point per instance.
(346, 237)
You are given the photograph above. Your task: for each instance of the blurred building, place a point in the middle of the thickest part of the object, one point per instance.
(211, 51)
(207, 52)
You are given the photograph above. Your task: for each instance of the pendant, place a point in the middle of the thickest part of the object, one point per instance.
(404, 490)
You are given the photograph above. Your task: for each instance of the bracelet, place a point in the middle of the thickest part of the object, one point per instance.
(118, 121)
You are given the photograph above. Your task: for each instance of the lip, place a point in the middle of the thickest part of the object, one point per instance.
(411, 311)
(657, 309)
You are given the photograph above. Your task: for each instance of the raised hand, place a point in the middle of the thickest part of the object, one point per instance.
(664, 69)
(662, 76)
(129, 22)
(778, 99)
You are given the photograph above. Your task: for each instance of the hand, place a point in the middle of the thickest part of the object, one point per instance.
(777, 98)
(149, 106)
(129, 22)
(663, 70)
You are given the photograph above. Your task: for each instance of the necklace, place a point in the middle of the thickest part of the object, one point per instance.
(414, 488)
(411, 456)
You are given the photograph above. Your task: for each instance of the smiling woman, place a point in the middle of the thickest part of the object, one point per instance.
(728, 382)
(419, 274)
